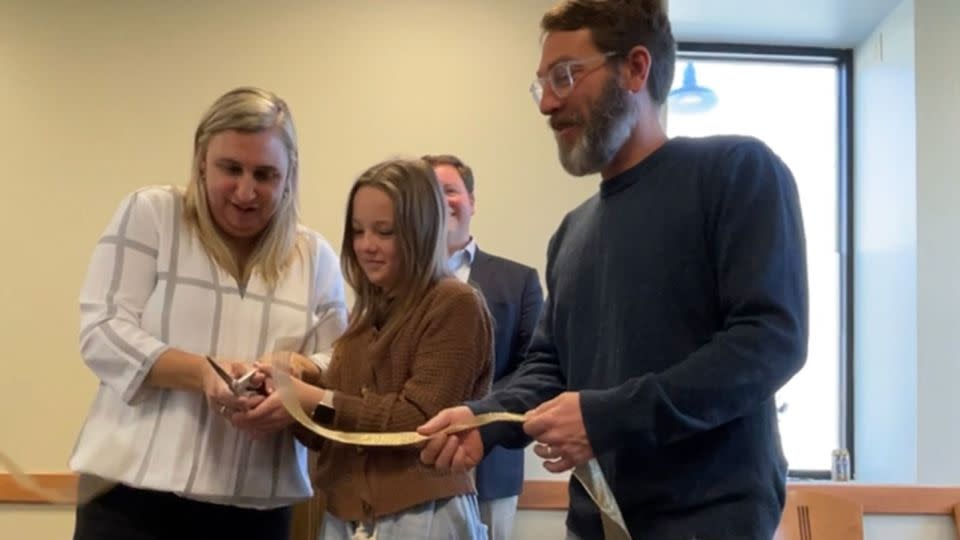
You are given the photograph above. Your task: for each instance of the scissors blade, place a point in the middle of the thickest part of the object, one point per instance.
(231, 384)
(244, 384)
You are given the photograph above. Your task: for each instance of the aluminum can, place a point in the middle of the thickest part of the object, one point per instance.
(840, 465)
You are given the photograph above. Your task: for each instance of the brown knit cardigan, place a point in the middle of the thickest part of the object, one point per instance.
(441, 356)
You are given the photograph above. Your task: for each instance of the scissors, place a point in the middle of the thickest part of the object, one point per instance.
(239, 386)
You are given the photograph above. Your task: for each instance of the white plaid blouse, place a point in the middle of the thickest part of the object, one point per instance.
(150, 286)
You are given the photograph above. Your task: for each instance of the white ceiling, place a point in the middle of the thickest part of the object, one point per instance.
(811, 23)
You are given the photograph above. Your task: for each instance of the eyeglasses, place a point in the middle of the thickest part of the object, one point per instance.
(561, 75)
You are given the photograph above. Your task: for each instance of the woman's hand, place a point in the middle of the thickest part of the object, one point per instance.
(219, 396)
(269, 416)
(297, 365)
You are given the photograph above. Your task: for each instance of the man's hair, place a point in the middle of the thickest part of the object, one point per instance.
(466, 173)
(619, 26)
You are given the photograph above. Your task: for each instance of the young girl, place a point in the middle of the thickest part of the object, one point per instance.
(418, 341)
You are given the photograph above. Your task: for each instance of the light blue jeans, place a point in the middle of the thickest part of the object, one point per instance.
(444, 519)
(498, 515)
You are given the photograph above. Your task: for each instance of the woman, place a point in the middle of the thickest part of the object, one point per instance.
(220, 270)
(419, 340)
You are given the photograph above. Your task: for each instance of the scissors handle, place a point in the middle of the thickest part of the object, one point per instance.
(241, 385)
(244, 384)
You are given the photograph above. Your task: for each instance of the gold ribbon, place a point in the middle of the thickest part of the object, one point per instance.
(588, 474)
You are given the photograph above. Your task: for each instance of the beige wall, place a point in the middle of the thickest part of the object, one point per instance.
(908, 227)
(885, 251)
(99, 98)
(938, 256)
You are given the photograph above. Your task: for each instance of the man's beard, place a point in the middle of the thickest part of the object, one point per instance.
(611, 119)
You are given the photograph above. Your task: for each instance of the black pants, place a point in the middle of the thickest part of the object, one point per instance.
(125, 513)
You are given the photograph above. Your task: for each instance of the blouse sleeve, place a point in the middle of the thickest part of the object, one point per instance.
(120, 278)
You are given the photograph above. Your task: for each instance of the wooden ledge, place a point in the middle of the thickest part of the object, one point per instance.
(875, 498)
(552, 495)
(889, 498)
(544, 495)
(11, 492)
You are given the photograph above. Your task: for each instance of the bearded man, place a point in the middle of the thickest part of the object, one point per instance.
(676, 299)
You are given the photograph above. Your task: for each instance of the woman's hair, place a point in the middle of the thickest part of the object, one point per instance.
(248, 110)
(419, 213)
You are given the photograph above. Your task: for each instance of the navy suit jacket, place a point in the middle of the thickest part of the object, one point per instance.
(515, 298)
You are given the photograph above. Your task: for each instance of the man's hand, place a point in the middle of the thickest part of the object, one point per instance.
(557, 425)
(456, 453)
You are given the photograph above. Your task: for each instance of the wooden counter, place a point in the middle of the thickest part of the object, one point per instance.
(551, 495)
(875, 498)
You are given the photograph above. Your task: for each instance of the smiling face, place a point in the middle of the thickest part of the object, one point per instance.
(245, 175)
(460, 205)
(374, 236)
(594, 121)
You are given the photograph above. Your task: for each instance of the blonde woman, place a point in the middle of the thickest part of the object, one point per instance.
(220, 270)
(419, 340)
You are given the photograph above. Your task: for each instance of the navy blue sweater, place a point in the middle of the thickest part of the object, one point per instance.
(677, 306)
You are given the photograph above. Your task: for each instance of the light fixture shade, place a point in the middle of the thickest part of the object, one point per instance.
(691, 97)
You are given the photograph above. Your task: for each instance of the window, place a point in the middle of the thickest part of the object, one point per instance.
(795, 101)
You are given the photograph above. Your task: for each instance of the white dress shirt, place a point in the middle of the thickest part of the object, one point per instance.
(460, 261)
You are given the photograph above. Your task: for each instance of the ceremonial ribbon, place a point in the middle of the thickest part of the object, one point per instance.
(588, 474)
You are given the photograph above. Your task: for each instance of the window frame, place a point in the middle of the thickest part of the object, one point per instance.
(842, 59)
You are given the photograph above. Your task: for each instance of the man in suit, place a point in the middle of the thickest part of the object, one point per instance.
(513, 294)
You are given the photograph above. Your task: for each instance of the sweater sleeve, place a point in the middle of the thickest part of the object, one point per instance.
(538, 378)
(756, 236)
(121, 276)
(452, 361)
